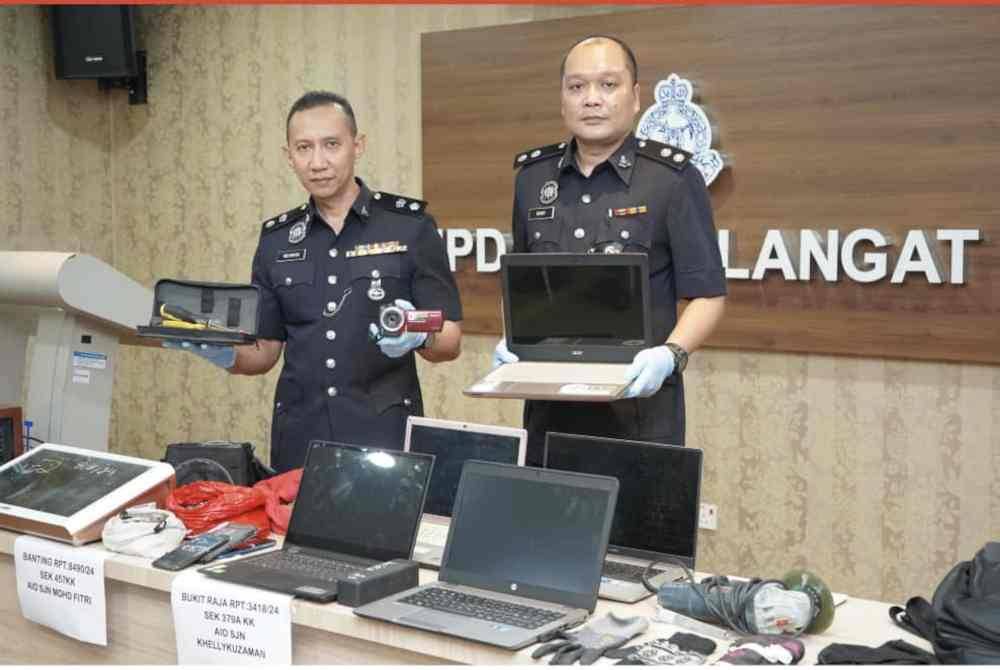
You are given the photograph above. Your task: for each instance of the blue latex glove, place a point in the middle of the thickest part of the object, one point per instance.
(394, 347)
(220, 355)
(649, 369)
(501, 354)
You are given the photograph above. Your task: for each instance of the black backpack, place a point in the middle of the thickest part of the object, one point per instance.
(229, 462)
(963, 620)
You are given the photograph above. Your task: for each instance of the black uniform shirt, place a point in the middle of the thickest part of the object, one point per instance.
(646, 198)
(319, 293)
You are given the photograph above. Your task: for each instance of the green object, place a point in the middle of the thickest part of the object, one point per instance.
(809, 583)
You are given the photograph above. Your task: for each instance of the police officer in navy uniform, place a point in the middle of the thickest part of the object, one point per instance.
(605, 191)
(325, 269)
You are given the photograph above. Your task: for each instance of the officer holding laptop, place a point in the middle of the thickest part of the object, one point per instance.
(606, 191)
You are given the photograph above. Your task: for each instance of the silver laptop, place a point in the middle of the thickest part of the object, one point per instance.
(656, 519)
(452, 443)
(523, 558)
(576, 321)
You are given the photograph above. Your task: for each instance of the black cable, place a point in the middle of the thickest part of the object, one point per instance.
(647, 574)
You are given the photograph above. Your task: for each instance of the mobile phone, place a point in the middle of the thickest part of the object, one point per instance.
(244, 551)
(190, 551)
(238, 533)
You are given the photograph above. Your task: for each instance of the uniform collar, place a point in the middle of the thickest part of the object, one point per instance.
(622, 161)
(362, 205)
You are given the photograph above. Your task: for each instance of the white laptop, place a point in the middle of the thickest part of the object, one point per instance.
(452, 443)
(576, 321)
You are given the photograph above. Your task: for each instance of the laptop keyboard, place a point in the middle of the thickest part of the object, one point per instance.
(313, 567)
(627, 572)
(487, 609)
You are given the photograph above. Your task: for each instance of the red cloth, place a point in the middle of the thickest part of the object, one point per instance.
(278, 490)
(204, 505)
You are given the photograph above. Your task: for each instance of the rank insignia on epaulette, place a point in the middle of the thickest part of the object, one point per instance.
(627, 211)
(290, 216)
(664, 153)
(532, 155)
(399, 203)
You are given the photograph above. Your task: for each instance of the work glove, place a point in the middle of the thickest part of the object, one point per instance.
(502, 355)
(220, 355)
(400, 345)
(587, 644)
(649, 369)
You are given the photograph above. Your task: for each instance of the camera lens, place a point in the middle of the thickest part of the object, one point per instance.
(392, 319)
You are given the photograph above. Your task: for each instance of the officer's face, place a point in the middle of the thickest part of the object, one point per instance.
(322, 151)
(599, 98)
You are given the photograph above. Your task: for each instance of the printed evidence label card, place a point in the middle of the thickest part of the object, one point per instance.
(62, 587)
(220, 623)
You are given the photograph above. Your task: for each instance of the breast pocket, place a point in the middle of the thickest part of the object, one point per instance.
(379, 277)
(294, 285)
(633, 234)
(543, 236)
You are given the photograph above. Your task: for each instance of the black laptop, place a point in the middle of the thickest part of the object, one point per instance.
(356, 507)
(523, 558)
(657, 515)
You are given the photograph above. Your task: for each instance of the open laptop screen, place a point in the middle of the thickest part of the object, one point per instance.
(657, 513)
(452, 443)
(583, 302)
(530, 532)
(360, 501)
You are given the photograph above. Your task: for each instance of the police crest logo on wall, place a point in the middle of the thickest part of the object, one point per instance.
(674, 119)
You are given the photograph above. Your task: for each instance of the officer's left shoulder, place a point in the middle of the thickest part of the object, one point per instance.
(400, 204)
(671, 156)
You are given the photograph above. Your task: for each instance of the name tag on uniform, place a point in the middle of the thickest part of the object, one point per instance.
(290, 255)
(541, 213)
(627, 211)
(376, 249)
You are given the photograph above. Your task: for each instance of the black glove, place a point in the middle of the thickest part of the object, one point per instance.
(591, 641)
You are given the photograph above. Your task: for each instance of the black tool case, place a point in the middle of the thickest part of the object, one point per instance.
(233, 308)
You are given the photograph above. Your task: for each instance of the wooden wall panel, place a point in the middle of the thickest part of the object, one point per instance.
(830, 118)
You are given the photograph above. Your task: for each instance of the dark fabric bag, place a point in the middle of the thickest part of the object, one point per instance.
(228, 462)
(962, 621)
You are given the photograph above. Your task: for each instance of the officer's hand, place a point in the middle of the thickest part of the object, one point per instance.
(221, 355)
(394, 347)
(501, 354)
(648, 371)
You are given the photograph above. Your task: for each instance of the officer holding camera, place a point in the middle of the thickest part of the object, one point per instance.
(340, 277)
(605, 191)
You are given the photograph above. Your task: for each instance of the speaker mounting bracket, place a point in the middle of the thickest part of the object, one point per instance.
(137, 86)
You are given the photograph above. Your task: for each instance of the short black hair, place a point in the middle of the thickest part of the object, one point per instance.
(313, 99)
(630, 61)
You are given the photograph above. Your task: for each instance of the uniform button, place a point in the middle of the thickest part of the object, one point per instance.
(332, 391)
(330, 363)
(407, 402)
(331, 280)
(330, 334)
(585, 198)
(625, 235)
(333, 253)
(376, 274)
(288, 281)
(579, 233)
(538, 235)
(331, 306)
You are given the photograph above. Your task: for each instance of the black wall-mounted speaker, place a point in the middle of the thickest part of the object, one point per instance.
(94, 41)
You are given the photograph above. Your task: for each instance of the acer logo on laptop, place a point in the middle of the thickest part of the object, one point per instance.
(576, 352)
